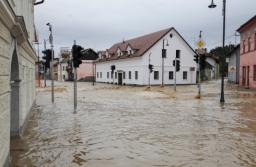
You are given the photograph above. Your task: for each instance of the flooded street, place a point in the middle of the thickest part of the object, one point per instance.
(135, 127)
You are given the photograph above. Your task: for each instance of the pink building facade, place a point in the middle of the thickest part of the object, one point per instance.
(248, 54)
(86, 69)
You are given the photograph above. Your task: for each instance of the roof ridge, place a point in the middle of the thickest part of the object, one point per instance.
(145, 35)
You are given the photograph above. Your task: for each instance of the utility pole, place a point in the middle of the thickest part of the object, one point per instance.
(51, 42)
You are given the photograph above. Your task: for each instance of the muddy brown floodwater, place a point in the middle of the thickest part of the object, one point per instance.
(136, 127)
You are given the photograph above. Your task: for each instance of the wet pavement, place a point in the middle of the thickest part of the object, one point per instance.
(136, 127)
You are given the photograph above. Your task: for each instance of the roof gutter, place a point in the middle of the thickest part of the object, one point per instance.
(38, 3)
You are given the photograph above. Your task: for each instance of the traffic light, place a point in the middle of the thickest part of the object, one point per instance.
(163, 53)
(151, 68)
(77, 55)
(113, 68)
(47, 57)
(177, 65)
(196, 58)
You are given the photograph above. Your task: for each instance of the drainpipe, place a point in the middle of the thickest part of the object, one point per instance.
(38, 3)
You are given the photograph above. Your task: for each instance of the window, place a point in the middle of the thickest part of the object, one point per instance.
(243, 51)
(107, 75)
(136, 75)
(255, 41)
(156, 75)
(254, 72)
(123, 75)
(130, 75)
(185, 75)
(177, 54)
(170, 75)
(115, 75)
(97, 74)
(249, 44)
(63, 68)
(100, 74)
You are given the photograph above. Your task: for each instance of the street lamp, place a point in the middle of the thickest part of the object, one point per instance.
(212, 5)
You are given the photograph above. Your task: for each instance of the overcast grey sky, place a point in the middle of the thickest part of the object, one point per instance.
(100, 23)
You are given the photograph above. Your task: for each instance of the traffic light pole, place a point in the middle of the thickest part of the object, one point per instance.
(149, 72)
(75, 90)
(44, 65)
(175, 74)
(199, 79)
(75, 84)
(51, 42)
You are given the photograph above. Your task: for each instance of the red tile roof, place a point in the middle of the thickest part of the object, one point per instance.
(140, 45)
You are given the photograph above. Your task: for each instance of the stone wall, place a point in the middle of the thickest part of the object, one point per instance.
(5, 47)
(13, 42)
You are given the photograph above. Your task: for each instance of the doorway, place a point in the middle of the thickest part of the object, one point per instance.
(120, 78)
(14, 98)
(243, 76)
(248, 76)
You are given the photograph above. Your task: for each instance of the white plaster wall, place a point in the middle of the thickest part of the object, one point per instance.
(186, 60)
(125, 65)
(141, 64)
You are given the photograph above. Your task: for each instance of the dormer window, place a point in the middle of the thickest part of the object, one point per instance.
(129, 50)
(119, 52)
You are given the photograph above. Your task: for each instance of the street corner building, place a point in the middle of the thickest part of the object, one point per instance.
(131, 59)
(247, 76)
(17, 70)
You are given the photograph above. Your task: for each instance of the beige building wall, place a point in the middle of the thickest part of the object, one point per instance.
(17, 70)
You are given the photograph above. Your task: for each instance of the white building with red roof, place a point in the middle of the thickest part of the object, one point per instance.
(131, 60)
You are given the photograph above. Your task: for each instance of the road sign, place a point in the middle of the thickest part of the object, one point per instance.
(200, 43)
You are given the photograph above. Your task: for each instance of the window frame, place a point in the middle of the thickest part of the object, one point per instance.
(136, 75)
(254, 72)
(171, 75)
(124, 75)
(183, 76)
(156, 77)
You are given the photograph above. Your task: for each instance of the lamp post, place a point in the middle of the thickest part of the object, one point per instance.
(164, 54)
(213, 5)
(51, 42)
